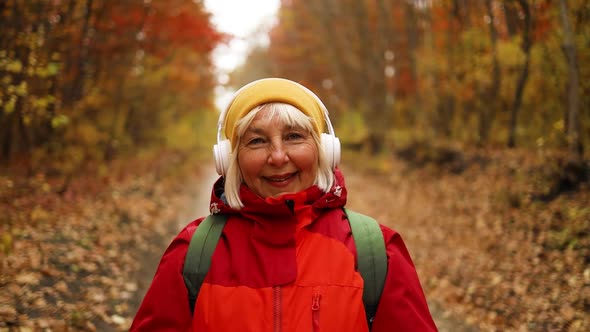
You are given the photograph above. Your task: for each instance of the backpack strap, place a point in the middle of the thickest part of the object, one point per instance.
(198, 255)
(371, 258)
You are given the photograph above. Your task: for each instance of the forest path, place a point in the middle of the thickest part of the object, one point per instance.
(395, 206)
(487, 254)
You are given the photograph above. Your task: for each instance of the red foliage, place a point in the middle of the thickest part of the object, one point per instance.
(406, 84)
(185, 28)
(158, 28)
(544, 22)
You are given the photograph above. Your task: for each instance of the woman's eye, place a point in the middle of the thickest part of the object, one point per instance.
(294, 136)
(255, 141)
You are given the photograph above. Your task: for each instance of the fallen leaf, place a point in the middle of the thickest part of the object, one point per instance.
(28, 278)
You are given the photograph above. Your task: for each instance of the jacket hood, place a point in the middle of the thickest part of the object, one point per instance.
(276, 206)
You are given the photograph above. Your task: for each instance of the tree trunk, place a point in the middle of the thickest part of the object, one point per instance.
(111, 145)
(77, 84)
(339, 48)
(446, 100)
(573, 112)
(373, 103)
(488, 110)
(524, 74)
(21, 138)
(412, 35)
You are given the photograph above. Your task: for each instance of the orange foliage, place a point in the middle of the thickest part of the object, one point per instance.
(544, 22)
(160, 28)
(184, 28)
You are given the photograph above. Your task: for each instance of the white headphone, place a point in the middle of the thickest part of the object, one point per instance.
(330, 144)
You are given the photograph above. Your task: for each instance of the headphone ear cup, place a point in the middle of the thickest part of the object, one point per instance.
(336, 151)
(331, 148)
(221, 153)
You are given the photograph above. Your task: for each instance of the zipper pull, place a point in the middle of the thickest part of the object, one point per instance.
(291, 205)
(315, 304)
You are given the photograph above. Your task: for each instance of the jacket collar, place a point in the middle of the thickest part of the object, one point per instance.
(255, 205)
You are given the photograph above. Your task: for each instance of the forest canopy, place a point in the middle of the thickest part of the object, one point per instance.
(507, 73)
(84, 79)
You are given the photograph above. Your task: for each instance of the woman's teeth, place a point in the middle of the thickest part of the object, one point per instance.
(279, 179)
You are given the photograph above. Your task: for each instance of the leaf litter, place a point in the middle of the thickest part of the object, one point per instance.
(490, 255)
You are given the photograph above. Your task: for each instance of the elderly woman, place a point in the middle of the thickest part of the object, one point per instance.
(286, 258)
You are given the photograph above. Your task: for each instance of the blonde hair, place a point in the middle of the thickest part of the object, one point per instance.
(290, 116)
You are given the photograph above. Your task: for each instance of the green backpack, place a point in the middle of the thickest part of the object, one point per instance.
(370, 247)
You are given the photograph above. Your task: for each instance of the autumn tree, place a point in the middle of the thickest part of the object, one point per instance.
(491, 94)
(81, 79)
(479, 72)
(356, 68)
(569, 49)
(524, 10)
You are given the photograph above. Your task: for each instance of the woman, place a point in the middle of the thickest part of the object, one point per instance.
(286, 257)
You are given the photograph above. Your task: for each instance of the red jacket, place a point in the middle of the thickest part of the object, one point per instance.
(283, 267)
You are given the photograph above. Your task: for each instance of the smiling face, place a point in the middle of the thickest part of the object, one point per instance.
(275, 158)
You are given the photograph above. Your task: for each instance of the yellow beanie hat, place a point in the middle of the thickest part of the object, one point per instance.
(272, 90)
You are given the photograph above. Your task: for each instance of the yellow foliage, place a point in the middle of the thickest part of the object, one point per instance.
(351, 127)
(88, 134)
(14, 66)
(510, 54)
(181, 135)
(194, 131)
(559, 125)
(6, 80)
(6, 244)
(39, 214)
(52, 68)
(21, 90)
(40, 104)
(59, 120)
(27, 119)
(94, 99)
(482, 70)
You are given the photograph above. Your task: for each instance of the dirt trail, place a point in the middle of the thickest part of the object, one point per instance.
(364, 195)
(199, 193)
(396, 208)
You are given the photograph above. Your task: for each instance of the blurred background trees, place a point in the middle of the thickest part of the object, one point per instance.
(506, 73)
(83, 79)
(476, 112)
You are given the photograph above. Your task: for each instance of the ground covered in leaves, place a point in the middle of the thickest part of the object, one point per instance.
(500, 239)
(78, 260)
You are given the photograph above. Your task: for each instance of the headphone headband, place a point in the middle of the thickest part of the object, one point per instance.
(272, 90)
(247, 98)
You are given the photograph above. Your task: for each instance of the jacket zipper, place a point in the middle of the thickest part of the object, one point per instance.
(277, 308)
(315, 312)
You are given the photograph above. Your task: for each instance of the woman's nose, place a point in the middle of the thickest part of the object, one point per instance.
(278, 154)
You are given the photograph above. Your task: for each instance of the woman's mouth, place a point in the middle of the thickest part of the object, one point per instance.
(279, 178)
